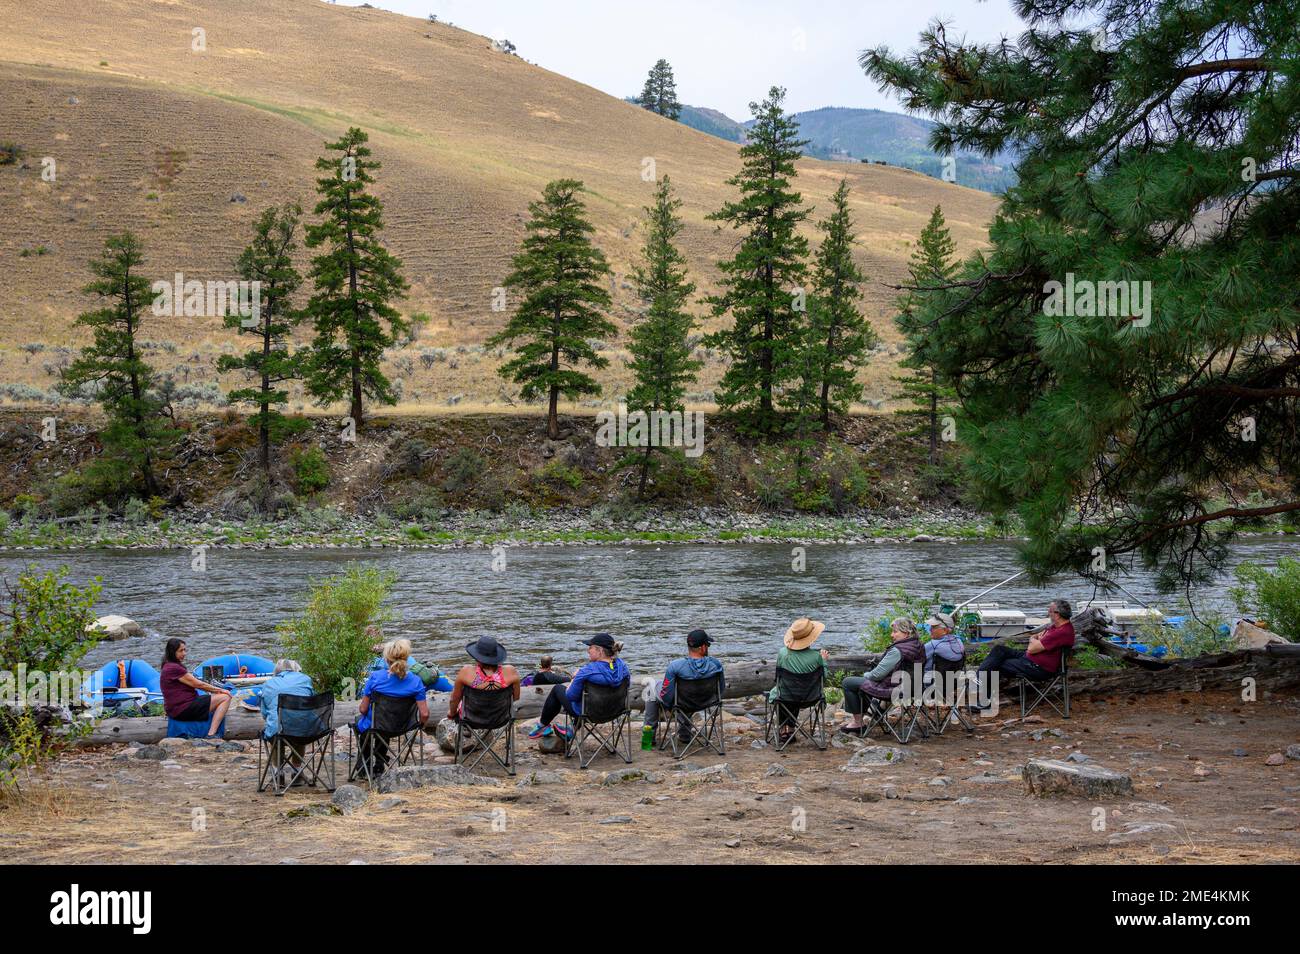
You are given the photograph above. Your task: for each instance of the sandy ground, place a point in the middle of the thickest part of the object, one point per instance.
(1203, 794)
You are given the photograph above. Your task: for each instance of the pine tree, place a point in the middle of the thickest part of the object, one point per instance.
(356, 279)
(660, 92)
(268, 260)
(1158, 184)
(932, 266)
(558, 271)
(762, 286)
(841, 336)
(112, 369)
(660, 346)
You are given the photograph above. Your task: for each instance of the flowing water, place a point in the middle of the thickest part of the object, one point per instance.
(547, 598)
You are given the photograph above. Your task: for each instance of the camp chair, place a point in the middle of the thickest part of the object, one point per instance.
(952, 708)
(394, 720)
(488, 718)
(606, 718)
(902, 718)
(1034, 692)
(697, 712)
(801, 696)
(302, 747)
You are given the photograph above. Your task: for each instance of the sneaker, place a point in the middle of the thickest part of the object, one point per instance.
(538, 731)
(564, 731)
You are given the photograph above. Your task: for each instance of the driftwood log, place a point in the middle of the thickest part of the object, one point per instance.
(1273, 667)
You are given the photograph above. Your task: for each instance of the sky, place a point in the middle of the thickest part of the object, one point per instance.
(725, 54)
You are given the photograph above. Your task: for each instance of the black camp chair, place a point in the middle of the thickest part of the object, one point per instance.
(488, 720)
(800, 697)
(302, 751)
(394, 723)
(696, 712)
(1034, 692)
(606, 718)
(952, 703)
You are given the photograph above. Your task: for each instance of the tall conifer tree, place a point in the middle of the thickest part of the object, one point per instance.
(559, 272)
(660, 92)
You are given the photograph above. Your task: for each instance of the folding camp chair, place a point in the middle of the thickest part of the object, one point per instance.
(1034, 692)
(606, 717)
(303, 746)
(952, 694)
(903, 715)
(394, 722)
(801, 697)
(696, 712)
(488, 719)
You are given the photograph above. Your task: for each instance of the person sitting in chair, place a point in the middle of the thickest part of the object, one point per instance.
(395, 680)
(797, 656)
(1042, 659)
(180, 691)
(944, 641)
(603, 668)
(488, 672)
(905, 652)
(288, 679)
(696, 664)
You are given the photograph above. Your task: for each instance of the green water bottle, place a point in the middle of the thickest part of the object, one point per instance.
(648, 738)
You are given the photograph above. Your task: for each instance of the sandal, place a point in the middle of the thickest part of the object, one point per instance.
(853, 729)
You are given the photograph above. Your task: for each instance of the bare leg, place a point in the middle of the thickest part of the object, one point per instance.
(219, 706)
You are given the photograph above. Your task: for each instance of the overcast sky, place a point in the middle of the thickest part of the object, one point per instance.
(725, 53)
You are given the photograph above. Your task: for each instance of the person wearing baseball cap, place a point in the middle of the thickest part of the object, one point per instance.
(603, 667)
(696, 664)
(944, 641)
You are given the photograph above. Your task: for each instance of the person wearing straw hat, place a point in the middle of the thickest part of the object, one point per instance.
(488, 672)
(798, 656)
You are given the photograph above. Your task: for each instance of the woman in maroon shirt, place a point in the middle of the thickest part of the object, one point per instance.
(181, 700)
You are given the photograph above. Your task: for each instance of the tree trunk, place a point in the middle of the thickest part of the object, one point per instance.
(934, 417)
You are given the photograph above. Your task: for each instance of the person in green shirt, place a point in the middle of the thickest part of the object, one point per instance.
(798, 656)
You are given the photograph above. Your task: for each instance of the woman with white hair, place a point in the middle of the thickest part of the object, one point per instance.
(905, 651)
(287, 680)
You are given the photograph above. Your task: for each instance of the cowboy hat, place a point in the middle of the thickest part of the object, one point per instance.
(802, 633)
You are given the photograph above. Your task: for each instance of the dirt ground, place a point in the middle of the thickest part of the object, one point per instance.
(1203, 794)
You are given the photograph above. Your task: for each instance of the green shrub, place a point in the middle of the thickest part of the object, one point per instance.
(311, 471)
(464, 470)
(902, 603)
(44, 619)
(558, 474)
(328, 638)
(10, 153)
(1272, 596)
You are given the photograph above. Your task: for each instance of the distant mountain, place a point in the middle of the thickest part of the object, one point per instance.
(869, 135)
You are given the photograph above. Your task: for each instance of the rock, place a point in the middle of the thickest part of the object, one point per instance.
(232, 746)
(348, 798)
(940, 781)
(617, 820)
(540, 777)
(775, 770)
(873, 756)
(1275, 759)
(115, 627)
(1053, 777)
(445, 734)
(1240, 753)
(427, 776)
(238, 197)
(619, 776)
(712, 773)
(965, 800)
(389, 803)
(758, 744)
(1249, 636)
(1203, 771)
(154, 753)
(734, 843)
(1142, 832)
(174, 744)
(1293, 752)
(1214, 718)
(1076, 757)
(1243, 830)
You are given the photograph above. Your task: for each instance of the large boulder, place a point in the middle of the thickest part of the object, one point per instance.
(445, 733)
(1249, 636)
(427, 776)
(1054, 777)
(115, 627)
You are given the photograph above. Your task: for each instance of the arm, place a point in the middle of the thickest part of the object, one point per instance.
(888, 663)
(574, 692)
(457, 691)
(513, 681)
(189, 680)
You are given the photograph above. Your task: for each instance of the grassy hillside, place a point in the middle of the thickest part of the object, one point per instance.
(187, 147)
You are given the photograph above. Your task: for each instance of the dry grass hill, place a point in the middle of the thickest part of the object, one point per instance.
(187, 147)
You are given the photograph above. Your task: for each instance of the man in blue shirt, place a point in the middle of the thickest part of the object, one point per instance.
(696, 664)
(287, 680)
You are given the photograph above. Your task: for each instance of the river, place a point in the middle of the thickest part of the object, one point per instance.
(547, 598)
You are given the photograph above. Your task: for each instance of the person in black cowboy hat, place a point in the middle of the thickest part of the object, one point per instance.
(603, 668)
(488, 672)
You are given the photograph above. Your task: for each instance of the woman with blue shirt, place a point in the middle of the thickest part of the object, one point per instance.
(603, 668)
(397, 680)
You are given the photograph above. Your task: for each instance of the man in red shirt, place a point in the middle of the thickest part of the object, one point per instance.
(1043, 658)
